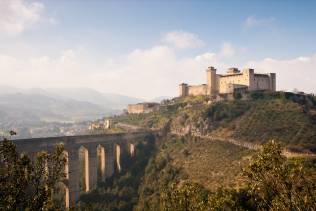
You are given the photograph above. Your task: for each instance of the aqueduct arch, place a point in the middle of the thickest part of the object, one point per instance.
(88, 154)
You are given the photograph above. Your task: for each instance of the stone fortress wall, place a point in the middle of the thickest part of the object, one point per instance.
(142, 108)
(197, 90)
(233, 81)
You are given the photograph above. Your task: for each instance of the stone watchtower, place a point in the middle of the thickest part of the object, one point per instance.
(211, 80)
(183, 90)
(272, 82)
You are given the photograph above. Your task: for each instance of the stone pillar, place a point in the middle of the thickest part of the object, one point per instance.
(66, 197)
(109, 160)
(132, 150)
(93, 167)
(118, 157)
(84, 169)
(74, 176)
(101, 163)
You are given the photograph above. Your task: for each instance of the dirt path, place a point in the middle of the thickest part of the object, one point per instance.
(128, 126)
(244, 144)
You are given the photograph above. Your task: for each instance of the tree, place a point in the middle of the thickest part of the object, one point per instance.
(185, 197)
(26, 184)
(278, 184)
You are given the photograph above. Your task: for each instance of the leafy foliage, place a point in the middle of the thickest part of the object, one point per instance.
(190, 196)
(276, 184)
(27, 185)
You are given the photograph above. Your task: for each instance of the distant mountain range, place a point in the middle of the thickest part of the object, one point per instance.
(20, 106)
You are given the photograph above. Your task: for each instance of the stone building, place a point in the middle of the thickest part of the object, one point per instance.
(102, 124)
(233, 81)
(142, 108)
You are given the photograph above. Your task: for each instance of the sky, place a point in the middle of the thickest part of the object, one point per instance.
(146, 48)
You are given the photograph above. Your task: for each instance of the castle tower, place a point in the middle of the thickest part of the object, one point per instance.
(272, 82)
(183, 90)
(249, 76)
(211, 80)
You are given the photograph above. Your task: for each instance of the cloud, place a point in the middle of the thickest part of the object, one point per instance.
(18, 15)
(144, 73)
(293, 73)
(182, 39)
(227, 50)
(153, 72)
(68, 56)
(253, 21)
(7, 62)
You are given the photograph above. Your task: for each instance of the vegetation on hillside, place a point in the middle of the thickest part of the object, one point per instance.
(272, 183)
(159, 173)
(227, 179)
(255, 117)
(180, 160)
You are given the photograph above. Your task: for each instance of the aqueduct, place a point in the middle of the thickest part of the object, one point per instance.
(90, 158)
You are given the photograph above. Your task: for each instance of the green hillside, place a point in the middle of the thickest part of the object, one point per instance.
(211, 167)
(213, 164)
(256, 117)
(278, 119)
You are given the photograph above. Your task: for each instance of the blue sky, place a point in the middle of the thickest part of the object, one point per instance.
(121, 26)
(105, 41)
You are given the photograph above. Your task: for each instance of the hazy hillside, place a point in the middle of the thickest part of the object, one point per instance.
(58, 104)
(107, 100)
(33, 107)
(41, 112)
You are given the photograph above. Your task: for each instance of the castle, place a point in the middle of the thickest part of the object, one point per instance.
(233, 81)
